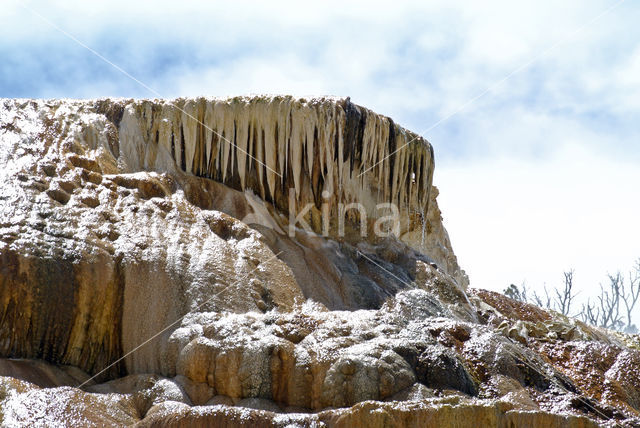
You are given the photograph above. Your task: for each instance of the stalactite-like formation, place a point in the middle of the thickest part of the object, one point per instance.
(273, 144)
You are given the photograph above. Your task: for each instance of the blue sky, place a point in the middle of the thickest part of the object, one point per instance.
(537, 175)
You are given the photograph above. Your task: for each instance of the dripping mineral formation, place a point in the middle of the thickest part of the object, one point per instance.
(249, 239)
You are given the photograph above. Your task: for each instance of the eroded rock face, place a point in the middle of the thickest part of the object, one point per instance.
(24, 404)
(400, 365)
(153, 250)
(110, 233)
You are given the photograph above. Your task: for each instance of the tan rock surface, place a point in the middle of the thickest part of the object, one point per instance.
(129, 230)
(106, 237)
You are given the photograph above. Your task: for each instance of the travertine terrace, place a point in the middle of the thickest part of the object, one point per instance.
(149, 275)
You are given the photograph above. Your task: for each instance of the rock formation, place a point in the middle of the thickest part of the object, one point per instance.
(232, 262)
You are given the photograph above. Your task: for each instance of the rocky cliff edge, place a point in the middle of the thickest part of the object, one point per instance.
(150, 274)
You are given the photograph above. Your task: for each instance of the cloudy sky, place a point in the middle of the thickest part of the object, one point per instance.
(533, 107)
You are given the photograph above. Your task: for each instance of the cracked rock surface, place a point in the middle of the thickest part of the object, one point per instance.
(148, 277)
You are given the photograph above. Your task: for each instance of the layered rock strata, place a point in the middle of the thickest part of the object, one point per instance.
(413, 362)
(108, 202)
(157, 254)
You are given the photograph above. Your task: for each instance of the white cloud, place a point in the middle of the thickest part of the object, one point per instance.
(512, 220)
